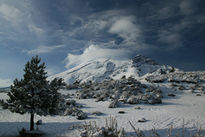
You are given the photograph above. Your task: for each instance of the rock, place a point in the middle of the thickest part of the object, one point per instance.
(113, 104)
(121, 112)
(81, 115)
(171, 95)
(123, 77)
(97, 113)
(198, 94)
(142, 120)
(138, 108)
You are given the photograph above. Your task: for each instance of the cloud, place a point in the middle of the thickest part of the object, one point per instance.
(131, 33)
(170, 38)
(114, 34)
(94, 52)
(5, 82)
(113, 25)
(34, 29)
(126, 27)
(186, 7)
(43, 49)
(10, 13)
(106, 26)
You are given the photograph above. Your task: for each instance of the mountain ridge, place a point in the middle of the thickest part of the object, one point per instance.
(101, 69)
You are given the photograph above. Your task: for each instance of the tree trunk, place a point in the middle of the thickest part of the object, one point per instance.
(32, 122)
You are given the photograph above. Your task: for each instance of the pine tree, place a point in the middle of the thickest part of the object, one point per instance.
(34, 94)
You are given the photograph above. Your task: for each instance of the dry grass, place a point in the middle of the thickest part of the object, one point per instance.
(111, 129)
(181, 132)
(90, 129)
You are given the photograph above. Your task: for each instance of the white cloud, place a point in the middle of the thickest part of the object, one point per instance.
(19, 25)
(10, 13)
(5, 82)
(99, 27)
(92, 25)
(94, 52)
(126, 27)
(131, 33)
(34, 29)
(43, 49)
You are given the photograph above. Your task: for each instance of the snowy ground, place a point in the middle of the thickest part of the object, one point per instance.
(185, 109)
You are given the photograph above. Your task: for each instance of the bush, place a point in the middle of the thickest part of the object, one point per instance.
(35, 133)
(180, 133)
(109, 130)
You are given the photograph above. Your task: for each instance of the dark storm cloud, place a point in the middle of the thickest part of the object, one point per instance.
(162, 24)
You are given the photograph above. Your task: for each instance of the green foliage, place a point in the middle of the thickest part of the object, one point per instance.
(24, 133)
(34, 94)
(55, 97)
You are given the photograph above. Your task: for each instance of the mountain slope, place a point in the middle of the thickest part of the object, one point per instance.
(98, 70)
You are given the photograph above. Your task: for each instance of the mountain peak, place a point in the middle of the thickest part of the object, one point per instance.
(100, 69)
(138, 60)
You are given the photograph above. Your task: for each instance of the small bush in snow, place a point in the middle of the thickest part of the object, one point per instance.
(34, 133)
(109, 130)
(180, 133)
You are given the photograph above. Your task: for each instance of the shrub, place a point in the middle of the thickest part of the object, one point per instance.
(109, 130)
(35, 133)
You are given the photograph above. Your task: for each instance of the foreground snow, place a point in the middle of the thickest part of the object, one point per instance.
(185, 109)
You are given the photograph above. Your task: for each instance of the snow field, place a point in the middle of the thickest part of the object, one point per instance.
(186, 109)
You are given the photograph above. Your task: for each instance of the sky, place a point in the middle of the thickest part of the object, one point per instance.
(65, 33)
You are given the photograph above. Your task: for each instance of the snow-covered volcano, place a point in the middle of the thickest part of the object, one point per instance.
(100, 69)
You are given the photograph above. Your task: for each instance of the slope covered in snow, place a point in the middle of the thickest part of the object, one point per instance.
(101, 69)
(186, 109)
(182, 104)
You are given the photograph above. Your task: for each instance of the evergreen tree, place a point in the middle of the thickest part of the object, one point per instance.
(34, 94)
